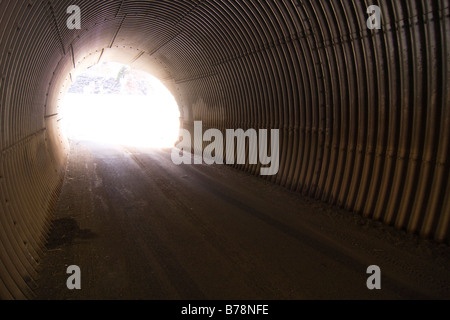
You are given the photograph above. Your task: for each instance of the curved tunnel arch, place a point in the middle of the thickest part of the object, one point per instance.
(363, 114)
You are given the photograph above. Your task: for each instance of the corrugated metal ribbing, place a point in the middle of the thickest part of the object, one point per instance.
(364, 115)
(30, 175)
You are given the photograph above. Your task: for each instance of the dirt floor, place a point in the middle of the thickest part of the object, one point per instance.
(140, 227)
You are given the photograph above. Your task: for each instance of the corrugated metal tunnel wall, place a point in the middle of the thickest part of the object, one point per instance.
(364, 115)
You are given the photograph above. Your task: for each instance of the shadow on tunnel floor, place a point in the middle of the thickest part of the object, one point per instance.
(65, 231)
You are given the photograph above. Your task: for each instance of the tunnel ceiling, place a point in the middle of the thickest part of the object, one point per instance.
(363, 114)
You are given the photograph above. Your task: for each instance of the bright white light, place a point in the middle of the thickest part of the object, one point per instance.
(150, 120)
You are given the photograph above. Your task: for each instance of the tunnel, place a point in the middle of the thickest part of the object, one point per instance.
(363, 113)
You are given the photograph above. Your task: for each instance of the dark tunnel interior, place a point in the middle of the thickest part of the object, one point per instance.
(363, 115)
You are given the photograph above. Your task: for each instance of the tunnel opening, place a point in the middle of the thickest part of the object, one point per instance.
(112, 103)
